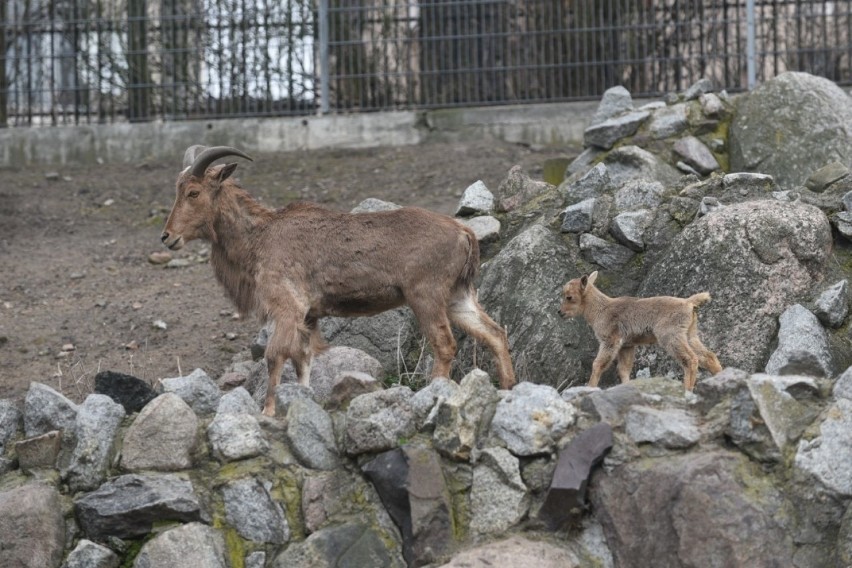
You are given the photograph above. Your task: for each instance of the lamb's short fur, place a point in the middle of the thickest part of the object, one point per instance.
(620, 324)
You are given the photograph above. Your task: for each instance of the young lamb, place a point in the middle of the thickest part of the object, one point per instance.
(620, 324)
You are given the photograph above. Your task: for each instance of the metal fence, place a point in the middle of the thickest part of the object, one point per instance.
(94, 61)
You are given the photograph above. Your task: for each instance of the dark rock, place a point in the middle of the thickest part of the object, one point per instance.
(128, 506)
(349, 545)
(411, 485)
(566, 498)
(127, 390)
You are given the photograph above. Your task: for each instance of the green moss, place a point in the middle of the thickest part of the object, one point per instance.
(288, 489)
(236, 549)
(133, 549)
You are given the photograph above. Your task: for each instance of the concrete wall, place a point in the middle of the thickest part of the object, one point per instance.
(556, 124)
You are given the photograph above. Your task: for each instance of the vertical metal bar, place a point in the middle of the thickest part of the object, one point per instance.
(751, 68)
(323, 56)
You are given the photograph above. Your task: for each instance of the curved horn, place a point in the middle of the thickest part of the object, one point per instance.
(210, 155)
(191, 153)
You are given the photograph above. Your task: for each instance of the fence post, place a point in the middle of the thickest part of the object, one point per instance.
(323, 55)
(3, 87)
(137, 62)
(751, 67)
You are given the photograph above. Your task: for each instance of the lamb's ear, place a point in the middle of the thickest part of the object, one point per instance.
(591, 279)
(584, 279)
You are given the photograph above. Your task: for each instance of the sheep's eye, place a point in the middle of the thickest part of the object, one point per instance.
(193, 194)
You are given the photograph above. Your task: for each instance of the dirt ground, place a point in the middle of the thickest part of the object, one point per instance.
(78, 294)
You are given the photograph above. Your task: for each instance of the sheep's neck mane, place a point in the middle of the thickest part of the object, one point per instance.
(233, 252)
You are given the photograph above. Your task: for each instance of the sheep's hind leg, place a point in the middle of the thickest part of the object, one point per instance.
(472, 319)
(290, 340)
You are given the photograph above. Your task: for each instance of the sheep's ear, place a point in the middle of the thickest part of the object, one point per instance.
(592, 277)
(224, 172)
(584, 279)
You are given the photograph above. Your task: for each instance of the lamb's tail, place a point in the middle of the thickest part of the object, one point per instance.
(699, 299)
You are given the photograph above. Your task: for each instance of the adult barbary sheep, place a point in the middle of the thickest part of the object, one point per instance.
(297, 264)
(620, 324)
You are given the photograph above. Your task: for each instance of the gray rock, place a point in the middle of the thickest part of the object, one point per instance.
(639, 194)
(32, 528)
(518, 189)
(694, 497)
(352, 544)
(95, 429)
(46, 410)
(311, 435)
(498, 497)
(802, 345)
(755, 259)
(633, 163)
(377, 421)
(576, 393)
(604, 253)
(708, 205)
(669, 428)
(846, 200)
(788, 125)
(128, 506)
(411, 484)
(162, 437)
(286, 393)
(832, 306)
(516, 551)
(197, 389)
(531, 419)
(39, 451)
(88, 554)
(486, 228)
(825, 176)
(10, 422)
(629, 227)
(371, 205)
(381, 335)
(475, 200)
(332, 497)
(611, 405)
(193, 544)
(237, 401)
(843, 222)
(615, 101)
(784, 405)
(348, 385)
(669, 121)
(426, 398)
(607, 133)
(843, 385)
(828, 457)
(462, 419)
(236, 437)
(700, 87)
(256, 559)
(566, 496)
(696, 154)
(746, 429)
(583, 162)
(594, 183)
(711, 105)
(577, 218)
(749, 184)
(252, 511)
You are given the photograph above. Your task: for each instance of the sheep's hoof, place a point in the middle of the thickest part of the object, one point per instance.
(269, 410)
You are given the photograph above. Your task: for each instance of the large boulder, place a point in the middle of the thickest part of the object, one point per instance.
(32, 529)
(193, 544)
(791, 126)
(520, 290)
(755, 259)
(693, 510)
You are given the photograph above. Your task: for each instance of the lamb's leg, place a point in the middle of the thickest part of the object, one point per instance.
(678, 347)
(466, 313)
(626, 356)
(606, 355)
